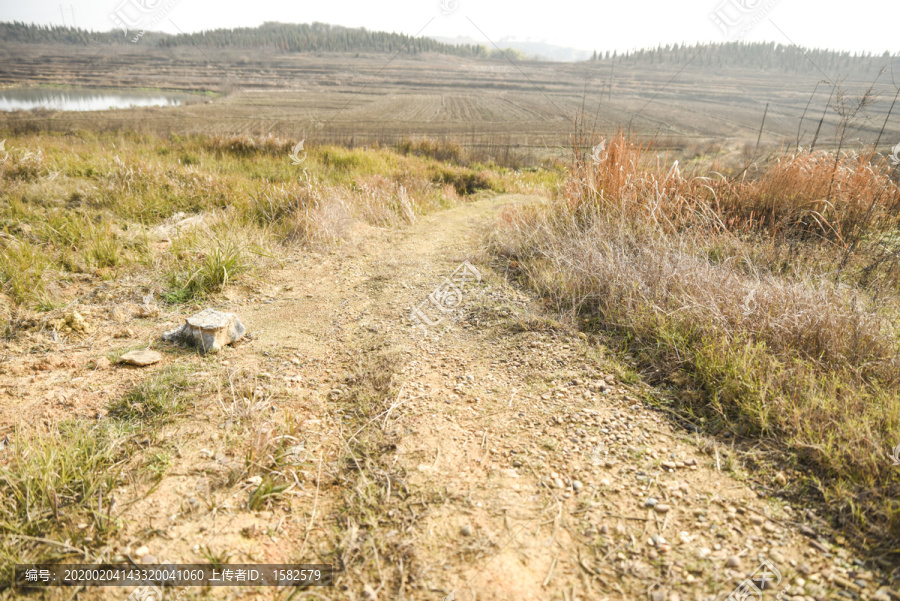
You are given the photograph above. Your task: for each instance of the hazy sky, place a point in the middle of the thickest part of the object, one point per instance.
(622, 24)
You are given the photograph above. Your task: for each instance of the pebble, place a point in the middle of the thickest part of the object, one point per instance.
(577, 485)
(844, 583)
(141, 358)
(148, 559)
(650, 502)
(466, 530)
(662, 508)
(733, 562)
(141, 551)
(658, 595)
(558, 483)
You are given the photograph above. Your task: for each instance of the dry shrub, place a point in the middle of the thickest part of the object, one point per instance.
(314, 215)
(441, 150)
(804, 357)
(244, 145)
(814, 194)
(383, 202)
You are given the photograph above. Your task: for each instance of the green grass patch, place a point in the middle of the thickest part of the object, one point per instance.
(56, 489)
(156, 399)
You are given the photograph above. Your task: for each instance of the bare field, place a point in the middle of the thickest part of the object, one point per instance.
(361, 99)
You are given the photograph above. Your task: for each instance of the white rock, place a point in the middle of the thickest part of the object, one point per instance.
(209, 330)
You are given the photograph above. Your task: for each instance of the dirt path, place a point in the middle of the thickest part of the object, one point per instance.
(497, 456)
(506, 460)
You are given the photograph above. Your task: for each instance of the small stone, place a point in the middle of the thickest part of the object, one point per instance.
(662, 508)
(148, 559)
(733, 562)
(669, 465)
(781, 479)
(76, 322)
(882, 594)
(209, 330)
(141, 551)
(558, 483)
(369, 593)
(658, 595)
(577, 485)
(466, 530)
(141, 358)
(650, 502)
(804, 569)
(844, 583)
(756, 519)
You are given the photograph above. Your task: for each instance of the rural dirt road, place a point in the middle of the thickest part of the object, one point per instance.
(498, 456)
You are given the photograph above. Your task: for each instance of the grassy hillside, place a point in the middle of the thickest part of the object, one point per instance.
(194, 212)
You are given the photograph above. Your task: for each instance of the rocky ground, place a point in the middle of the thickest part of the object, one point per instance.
(495, 455)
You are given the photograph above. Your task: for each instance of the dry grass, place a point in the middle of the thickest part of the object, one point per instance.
(769, 300)
(374, 538)
(199, 211)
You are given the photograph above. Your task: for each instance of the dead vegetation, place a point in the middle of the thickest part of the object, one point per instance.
(768, 298)
(375, 537)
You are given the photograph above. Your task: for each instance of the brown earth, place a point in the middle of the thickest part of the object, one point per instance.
(497, 455)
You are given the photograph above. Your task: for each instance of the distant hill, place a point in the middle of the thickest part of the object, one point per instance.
(320, 37)
(286, 37)
(763, 56)
(530, 49)
(55, 34)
